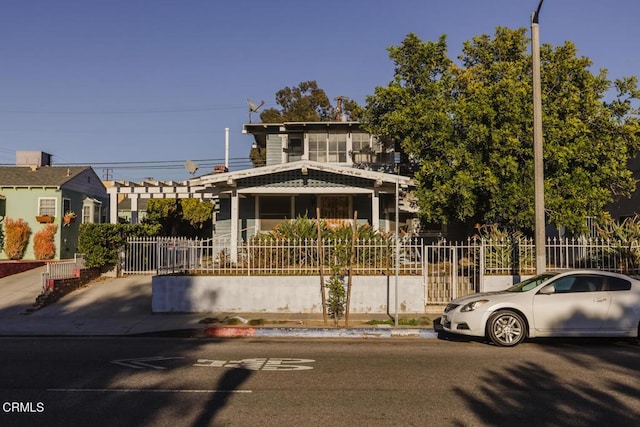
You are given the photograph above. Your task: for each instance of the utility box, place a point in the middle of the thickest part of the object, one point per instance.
(33, 158)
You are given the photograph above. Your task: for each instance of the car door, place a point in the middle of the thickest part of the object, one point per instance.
(623, 316)
(578, 306)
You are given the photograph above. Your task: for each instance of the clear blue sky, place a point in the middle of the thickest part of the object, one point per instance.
(95, 82)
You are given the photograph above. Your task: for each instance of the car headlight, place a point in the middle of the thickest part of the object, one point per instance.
(473, 305)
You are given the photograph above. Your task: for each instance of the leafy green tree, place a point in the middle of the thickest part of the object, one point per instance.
(467, 130)
(258, 156)
(181, 217)
(304, 103)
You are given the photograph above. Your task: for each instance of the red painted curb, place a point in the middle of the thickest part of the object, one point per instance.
(230, 331)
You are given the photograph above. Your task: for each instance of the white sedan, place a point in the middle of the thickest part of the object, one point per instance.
(581, 303)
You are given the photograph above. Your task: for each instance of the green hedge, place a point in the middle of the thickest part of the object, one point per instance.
(101, 243)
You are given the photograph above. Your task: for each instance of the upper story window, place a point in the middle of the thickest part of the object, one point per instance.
(363, 152)
(331, 148)
(294, 149)
(47, 206)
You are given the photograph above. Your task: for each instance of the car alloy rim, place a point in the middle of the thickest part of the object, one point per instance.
(507, 329)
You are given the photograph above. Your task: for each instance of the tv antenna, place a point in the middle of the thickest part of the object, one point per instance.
(253, 107)
(191, 167)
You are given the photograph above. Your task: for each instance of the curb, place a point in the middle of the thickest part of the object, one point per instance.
(248, 331)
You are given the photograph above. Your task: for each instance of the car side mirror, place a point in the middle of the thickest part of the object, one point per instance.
(548, 290)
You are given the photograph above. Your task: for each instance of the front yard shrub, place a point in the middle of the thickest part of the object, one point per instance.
(17, 233)
(44, 246)
(623, 238)
(101, 243)
(294, 244)
(337, 300)
(506, 251)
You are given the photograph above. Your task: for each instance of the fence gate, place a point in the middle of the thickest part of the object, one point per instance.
(451, 270)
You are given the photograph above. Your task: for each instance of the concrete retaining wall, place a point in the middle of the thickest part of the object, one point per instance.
(288, 294)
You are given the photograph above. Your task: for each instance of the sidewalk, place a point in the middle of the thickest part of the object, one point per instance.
(122, 306)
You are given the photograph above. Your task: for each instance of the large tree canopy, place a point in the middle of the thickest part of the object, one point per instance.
(468, 130)
(304, 103)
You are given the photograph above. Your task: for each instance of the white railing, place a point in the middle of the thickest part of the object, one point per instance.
(471, 259)
(62, 269)
(517, 256)
(272, 256)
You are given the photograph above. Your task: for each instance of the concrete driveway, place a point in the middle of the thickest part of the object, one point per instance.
(110, 306)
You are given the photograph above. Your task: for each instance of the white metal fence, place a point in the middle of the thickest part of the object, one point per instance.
(271, 256)
(449, 269)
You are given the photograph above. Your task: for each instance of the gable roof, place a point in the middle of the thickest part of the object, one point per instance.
(301, 165)
(46, 176)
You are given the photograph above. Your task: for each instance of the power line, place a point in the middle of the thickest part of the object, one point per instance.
(107, 112)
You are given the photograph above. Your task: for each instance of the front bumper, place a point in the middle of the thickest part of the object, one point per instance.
(470, 323)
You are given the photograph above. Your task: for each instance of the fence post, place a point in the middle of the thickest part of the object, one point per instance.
(454, 271)
(482, 266)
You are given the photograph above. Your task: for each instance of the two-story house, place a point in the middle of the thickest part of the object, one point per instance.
(334, 169)
(331, 168)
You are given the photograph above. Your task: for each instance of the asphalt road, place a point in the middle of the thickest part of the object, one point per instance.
(296, 382)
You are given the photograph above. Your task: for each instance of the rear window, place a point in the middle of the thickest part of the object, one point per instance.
(618, 284)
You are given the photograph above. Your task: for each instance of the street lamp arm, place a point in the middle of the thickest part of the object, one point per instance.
(536, 15)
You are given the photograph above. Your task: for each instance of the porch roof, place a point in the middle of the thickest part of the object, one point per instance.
(230, 178)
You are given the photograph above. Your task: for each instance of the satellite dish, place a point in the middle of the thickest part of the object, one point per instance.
(253, 107)
(191, 167)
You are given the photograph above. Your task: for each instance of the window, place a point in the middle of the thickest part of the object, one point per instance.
(617, 284)
(318, 147)
(66, 206)
(328, 147)
(47, 206)
(581, 283)
(337, 147)
(273, 211)
(91, 211)
(361, 146)
(86, 213)
(294, 150)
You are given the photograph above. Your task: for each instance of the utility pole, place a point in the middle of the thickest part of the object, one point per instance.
(538, 153)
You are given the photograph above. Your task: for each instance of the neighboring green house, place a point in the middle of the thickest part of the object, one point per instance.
(40, 193)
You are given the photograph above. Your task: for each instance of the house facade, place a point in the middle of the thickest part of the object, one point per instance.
(331, 170)
(40, 193)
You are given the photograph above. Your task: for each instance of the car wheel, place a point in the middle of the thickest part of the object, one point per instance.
(506, 328)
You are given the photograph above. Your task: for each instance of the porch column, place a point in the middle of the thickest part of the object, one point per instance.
(375, 210)
(113, 205)
(134, 208)
(235, 217)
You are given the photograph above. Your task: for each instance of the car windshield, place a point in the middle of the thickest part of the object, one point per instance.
(530, 283)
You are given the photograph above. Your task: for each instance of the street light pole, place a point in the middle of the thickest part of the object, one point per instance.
(395, 320)
(538, 154)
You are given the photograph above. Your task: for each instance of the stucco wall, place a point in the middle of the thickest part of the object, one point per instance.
(293, 294)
